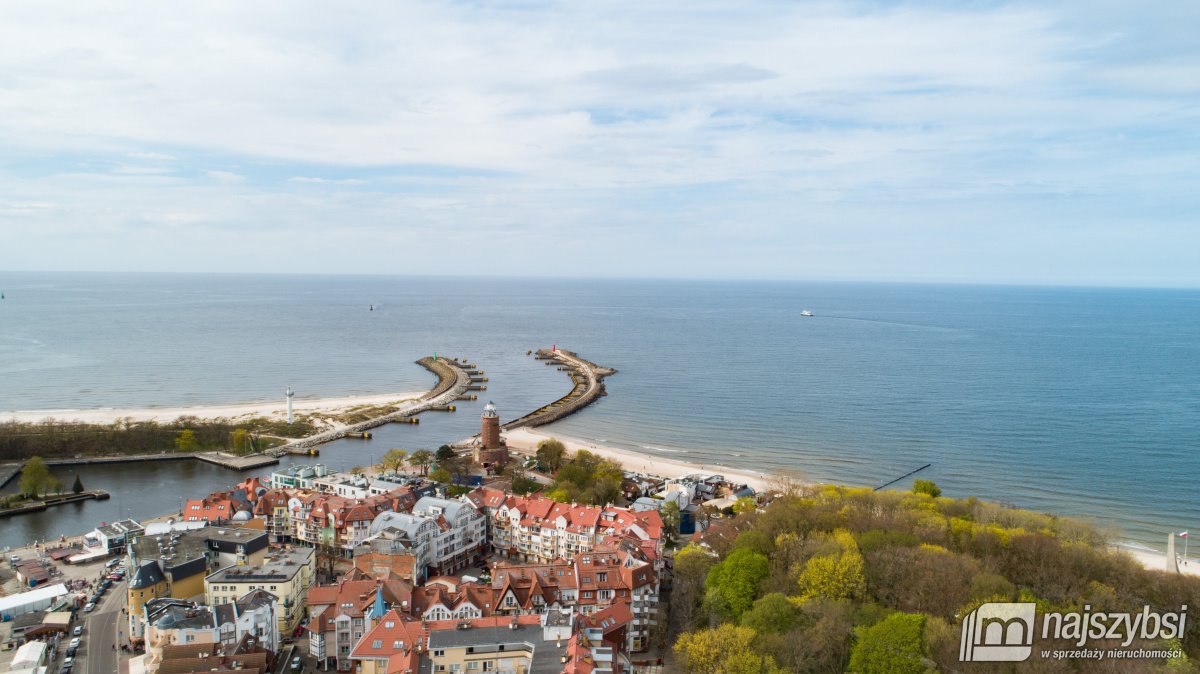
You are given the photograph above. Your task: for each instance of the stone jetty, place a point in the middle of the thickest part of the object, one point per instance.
(588, 378)
(453, 382)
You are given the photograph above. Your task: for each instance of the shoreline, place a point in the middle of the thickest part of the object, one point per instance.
(105, 415)
(525, 440)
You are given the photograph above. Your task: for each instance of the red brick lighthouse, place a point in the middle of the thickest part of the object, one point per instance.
(491, 452)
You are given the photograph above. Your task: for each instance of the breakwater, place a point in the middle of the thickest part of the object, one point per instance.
(588, 378)
(453, 382)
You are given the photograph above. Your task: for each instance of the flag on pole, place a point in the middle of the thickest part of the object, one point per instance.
(1183, 535)
(435, 355)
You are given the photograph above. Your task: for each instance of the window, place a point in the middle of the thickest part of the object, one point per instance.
(378, 643)
(439, 653)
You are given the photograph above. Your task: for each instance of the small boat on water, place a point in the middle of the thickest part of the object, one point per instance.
(806, 313)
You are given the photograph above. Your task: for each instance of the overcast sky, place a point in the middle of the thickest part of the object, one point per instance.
(945, 141)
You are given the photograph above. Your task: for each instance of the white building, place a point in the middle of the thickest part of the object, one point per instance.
(171, 622)
(444, 535)
(34, 600)
(298, 477)
(354, 486)
(29, 657)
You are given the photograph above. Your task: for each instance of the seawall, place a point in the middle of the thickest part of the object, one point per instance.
(453, 381)
(588, 378)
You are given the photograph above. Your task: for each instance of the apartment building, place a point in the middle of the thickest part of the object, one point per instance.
(287, 574)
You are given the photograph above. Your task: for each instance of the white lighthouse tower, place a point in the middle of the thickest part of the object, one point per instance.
(289, 394)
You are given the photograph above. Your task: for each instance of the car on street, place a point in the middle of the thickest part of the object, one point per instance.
(75, 642)
(71, 652)
(114, 577)
(69, 661)
(66, 669)
(90, 605)
(112, 563)
(296, 664)
(78, 631)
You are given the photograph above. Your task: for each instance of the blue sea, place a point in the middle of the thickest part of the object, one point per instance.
(1078, 401)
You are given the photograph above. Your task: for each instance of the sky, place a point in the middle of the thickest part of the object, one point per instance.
(990, 142)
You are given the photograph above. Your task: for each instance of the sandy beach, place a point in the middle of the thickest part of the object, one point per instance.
(526, 440)
(237, 411)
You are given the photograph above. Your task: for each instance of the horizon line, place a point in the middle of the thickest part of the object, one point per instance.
(1082, 285)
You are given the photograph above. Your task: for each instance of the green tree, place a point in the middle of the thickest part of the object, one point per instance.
(723, 650)
(692, 564)
(773, 613)
(35, 477)
(589, 478)
(358, 470)
(77, 488)
(423, 459)
(441, 475)
(239, 439)
(745, 504)
(895, 645)
(928, 487)
(837, 575)
(736, 579)
(393, 460)
(445, 453)
(550, 453)
(186, 440)
(671, 516)
(519, 478)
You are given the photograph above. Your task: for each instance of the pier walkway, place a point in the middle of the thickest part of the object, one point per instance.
(589, 385)
(453, 382)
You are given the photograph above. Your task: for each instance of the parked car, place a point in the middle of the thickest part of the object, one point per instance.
(90, 605)
(78, 631)
(114, 577)
(66, 669)
(75, 642)
(69, 661)
(296, 664)
(112, 563)
(71, 652)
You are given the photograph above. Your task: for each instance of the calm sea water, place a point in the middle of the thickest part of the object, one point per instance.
(1075, 401)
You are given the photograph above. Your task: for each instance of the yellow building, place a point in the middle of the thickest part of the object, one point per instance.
(174, 564)
(287, 574)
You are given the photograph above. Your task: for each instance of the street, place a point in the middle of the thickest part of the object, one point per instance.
(99, 652)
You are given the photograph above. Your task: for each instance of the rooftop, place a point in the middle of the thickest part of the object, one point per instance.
(279, 566)
(545, 656)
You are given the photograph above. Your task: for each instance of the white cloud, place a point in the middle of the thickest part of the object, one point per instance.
(662, 121)
(327, 181)
(227, 177)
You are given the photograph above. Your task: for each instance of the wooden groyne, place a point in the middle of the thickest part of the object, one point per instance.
(453, 382)
(588, 378)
